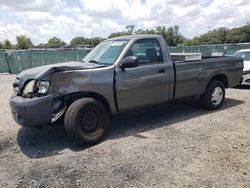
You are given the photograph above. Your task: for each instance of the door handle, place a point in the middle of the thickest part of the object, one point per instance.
(161, 70)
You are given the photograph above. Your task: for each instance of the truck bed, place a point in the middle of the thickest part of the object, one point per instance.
(191, 77)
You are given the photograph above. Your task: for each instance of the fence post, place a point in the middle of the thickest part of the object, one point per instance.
(7, 57)
(30, 58)
(77, 58)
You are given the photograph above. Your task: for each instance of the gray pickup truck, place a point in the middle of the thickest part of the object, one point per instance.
(119, 74)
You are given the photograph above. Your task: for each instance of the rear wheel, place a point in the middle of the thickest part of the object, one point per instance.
(86, 121)
(214, 95)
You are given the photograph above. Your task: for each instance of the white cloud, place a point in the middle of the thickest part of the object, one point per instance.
(42, 19)
(29, 5)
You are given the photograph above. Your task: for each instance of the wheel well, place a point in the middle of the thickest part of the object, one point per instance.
(222, 78)
(70, 98)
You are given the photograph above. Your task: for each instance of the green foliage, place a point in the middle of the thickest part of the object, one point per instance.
(7, 44)
(1, 45)
(171, 34)
(117, 34)
(41, 45)
(97, 40)
(147, 31)
(55, 43)
(85, 41)
(79, 41)
(222, 35)
(23, 42)
(130, 29)
(237, 35)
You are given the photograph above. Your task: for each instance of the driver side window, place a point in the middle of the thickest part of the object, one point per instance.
(148, 51)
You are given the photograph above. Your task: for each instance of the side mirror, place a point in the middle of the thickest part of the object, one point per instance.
(129, 62)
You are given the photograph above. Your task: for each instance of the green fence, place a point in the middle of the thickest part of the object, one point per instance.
(3, 62)
(17, 61)
(206, 50)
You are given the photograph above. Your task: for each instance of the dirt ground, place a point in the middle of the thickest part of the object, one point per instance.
(178, 144)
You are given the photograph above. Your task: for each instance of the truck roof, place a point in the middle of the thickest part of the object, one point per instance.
(136, 37)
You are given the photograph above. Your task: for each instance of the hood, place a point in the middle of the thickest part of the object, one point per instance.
(43, 71)
(246, 65)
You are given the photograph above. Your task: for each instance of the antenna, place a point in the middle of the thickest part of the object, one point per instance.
(92, 39)
(209, 28)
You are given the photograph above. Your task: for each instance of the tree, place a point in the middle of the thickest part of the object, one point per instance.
(222, 34)
(23, 42)
(188, 42)
(246, 29)
(85, 41)
(55, 43)
(97, 40)
(130, 29)
(171, 35)
(1, 45)
(7, 44)
(161, 30)
(41, 45)
(236, 35)
(79, 41)
(147, 31)
(117, 34)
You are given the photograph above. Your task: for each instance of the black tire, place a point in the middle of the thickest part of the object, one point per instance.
(86, 121)
(207, 97)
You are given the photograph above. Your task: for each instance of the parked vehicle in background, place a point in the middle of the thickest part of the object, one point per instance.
(84, 47)
(65, 47)
(245, 54)
(120, 74)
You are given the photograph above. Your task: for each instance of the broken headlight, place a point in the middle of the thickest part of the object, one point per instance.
(43, 86)
(33, 87)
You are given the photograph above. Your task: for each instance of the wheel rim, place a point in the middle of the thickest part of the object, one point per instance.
(217, 95)
(89, 121)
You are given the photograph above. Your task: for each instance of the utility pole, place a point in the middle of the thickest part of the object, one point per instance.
(92, 39)
(209, 28)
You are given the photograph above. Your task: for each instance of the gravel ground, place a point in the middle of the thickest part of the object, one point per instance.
(178, 144)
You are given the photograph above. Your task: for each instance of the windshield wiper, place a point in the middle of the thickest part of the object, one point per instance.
(94, 61)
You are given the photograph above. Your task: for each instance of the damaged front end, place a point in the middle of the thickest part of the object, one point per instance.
(33, 102)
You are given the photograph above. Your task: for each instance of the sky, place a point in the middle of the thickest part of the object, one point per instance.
(43, 19)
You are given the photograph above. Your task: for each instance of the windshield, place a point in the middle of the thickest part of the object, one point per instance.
(106, 52)
(244, 55)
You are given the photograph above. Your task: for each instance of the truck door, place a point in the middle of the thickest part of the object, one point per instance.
(146, 84)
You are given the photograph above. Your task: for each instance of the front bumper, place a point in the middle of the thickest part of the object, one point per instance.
(30, 112)
(245, 79)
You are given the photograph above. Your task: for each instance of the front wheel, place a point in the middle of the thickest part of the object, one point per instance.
(214, 95)
(86, 121)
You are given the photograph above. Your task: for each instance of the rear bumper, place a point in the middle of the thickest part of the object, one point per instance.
(30, 112)
(245, 79)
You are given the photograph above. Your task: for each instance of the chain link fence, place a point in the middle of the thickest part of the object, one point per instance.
(207, 50)
(17, 61)
(3, 62)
